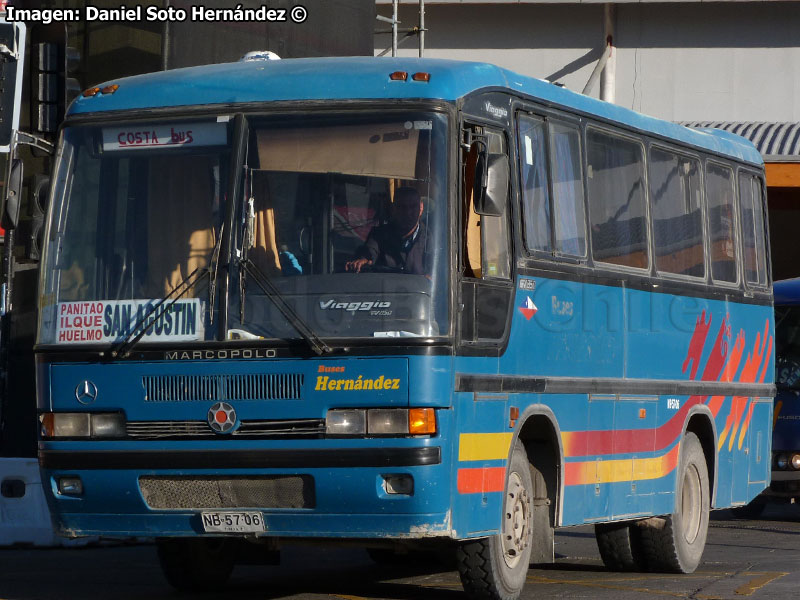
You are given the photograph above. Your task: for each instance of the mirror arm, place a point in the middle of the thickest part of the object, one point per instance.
(28, 139)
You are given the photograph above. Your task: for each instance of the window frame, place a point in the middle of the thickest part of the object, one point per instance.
(565, 120)
(756, 181)
(739, 282)
(639, 141)
(705, 277)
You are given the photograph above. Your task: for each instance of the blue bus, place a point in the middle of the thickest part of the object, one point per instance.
(785, 483)
(415, 303)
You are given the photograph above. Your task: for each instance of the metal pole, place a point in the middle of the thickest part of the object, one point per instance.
(394, 27)
(608, 75)
(421, 28)
(165, 43)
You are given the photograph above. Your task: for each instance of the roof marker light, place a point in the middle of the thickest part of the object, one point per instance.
(259, 55)
(91, 92)
(110, 89)
(421, 77)
(399, 76)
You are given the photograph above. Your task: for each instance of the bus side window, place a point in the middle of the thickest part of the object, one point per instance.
(552, 209)
(536, 205)
(676, 210)
(753, 238)
(568, 198)
(721, 224)
(617, 200)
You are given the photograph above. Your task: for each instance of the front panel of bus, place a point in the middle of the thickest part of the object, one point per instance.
(206, 348)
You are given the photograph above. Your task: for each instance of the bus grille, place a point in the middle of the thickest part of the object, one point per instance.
(216, 388)
(192, 492)
(191, 429)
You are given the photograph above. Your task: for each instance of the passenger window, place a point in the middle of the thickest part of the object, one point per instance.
(565, 209)
(753, 238)
(721, 229)
(535, 192)
(616, 200)
(567, 177)
(677, 214)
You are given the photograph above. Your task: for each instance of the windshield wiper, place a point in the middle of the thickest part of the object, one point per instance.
(213, 268)
(123, 348)
(274, 294)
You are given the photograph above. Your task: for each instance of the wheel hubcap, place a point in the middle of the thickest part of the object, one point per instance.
(691, 510)
(516, 519)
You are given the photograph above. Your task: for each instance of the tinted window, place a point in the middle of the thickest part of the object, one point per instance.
(677, 215)
(753, 238)
(721, 228)
(567, 177)
(535, 193)
(616, 200)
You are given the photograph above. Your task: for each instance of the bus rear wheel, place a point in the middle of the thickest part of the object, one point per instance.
(675, 543)
(196, 564)
(495, 568)
(620, 546)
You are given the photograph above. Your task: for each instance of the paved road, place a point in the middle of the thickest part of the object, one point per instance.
(743, 559)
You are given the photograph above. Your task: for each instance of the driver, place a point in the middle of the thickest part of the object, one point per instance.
(398, 244)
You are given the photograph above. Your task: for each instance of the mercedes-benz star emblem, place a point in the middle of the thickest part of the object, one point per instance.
(222, 417)
(86, 392)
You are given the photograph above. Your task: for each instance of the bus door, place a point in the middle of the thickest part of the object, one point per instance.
(486, 289)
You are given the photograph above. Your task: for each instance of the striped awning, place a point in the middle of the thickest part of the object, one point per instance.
(777, 142)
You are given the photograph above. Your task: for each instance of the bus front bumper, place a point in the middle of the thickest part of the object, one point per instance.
(383, 491)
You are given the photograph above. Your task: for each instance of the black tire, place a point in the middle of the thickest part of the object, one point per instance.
(196, 564)
(495, 568)
(620, 546)
(750, 511)
(675, 543)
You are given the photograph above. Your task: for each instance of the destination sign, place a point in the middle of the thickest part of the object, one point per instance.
(137, 137)
(113, 320)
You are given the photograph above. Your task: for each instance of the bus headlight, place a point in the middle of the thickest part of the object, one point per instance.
(795, 462)
(387, 421)
(381, 421)
(782, 461)
(82, 425)
(346, 422)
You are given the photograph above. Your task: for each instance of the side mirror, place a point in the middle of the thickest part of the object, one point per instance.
(14, 191)
(491, 184)
(38, 210)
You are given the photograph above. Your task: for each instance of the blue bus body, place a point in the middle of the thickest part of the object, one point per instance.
(785, 482)
(600, 371)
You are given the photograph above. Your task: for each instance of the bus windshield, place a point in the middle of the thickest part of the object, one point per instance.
(347, 219)
(341, 219)
(787, 347)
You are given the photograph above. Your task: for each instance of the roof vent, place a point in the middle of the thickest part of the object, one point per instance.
(259, 55)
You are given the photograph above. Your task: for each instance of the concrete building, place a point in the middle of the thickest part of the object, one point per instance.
(735, 65)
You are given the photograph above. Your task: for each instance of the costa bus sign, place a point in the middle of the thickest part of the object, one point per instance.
(135, 137)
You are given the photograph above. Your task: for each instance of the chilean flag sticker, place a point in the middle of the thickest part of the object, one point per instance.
(529, 309)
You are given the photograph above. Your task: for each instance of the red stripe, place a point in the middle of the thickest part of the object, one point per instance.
(476, 481)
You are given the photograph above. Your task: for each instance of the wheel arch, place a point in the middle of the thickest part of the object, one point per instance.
(700, 421)
(540, 434)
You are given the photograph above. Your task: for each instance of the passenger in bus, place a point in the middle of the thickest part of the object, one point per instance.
(400, 243)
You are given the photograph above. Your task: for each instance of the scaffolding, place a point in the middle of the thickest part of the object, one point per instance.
(419, 30)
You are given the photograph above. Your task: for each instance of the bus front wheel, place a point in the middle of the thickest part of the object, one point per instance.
(195, 564)
(675, 543)
(496, 567)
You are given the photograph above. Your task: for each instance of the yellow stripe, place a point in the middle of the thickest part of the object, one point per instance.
(484, 446)
(626, 469)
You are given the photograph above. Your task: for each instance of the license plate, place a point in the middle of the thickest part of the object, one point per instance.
(233, 522)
